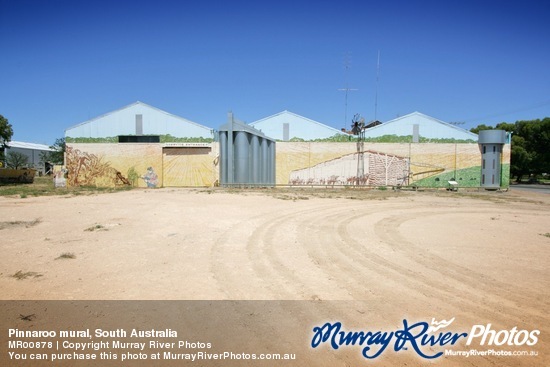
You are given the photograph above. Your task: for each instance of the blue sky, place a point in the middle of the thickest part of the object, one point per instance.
(64, 62)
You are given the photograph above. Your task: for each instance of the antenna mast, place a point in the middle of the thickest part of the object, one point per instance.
(376, 94)
(347, 62)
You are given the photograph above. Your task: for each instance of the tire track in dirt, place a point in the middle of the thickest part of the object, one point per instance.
(389, 231)
(317, 237)
(287, 281)
(238, 256)
(265, 275)
(277, 270)
(482, 298)
(263, 254)
(229, 265)
(328, 252)
(284, 256)
(489, 305)
(355, 262)
(340, 258)
(442, 285)
(507, 296)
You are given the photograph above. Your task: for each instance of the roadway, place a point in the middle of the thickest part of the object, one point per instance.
(541, 189)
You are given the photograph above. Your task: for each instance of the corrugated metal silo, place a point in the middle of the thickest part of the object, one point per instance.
(247, 156)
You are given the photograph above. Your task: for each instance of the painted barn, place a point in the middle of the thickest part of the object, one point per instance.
(140, 145)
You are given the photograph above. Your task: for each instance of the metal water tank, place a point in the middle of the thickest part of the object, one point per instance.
(491, 143)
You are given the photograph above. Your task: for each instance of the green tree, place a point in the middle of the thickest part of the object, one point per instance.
(6, 132)
(520, 158)
(16, 160)
(530, 145)
(506, 126)
(57, 156)
(477, 129)
(537, 143)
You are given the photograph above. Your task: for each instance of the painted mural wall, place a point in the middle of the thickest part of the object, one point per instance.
(406, 164)
(297, 163)
(141, 165)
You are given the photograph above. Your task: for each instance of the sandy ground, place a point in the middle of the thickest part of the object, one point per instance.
(479, 257)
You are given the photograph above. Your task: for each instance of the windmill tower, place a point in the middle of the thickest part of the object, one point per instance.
(358, 128)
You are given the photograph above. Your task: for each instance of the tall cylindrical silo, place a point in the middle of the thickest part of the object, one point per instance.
(223, 157)
(247, 156)
(255, 160)
(266, 156)
(242, 157)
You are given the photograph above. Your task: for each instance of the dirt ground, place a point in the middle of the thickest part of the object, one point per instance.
(481, 257)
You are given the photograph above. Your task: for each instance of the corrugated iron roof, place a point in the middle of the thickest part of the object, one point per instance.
(134, 104)
(286, 112)
(33, 146)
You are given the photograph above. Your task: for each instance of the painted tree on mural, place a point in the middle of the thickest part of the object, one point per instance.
(86, 168)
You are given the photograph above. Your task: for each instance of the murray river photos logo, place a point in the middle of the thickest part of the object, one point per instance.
(421, 337)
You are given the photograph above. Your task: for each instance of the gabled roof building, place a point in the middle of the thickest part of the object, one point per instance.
(138, 119)
(34, 153)
(286, 125)
(420, 125)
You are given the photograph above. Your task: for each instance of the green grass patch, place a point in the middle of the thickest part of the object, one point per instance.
(467, 177)
(44, 186)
